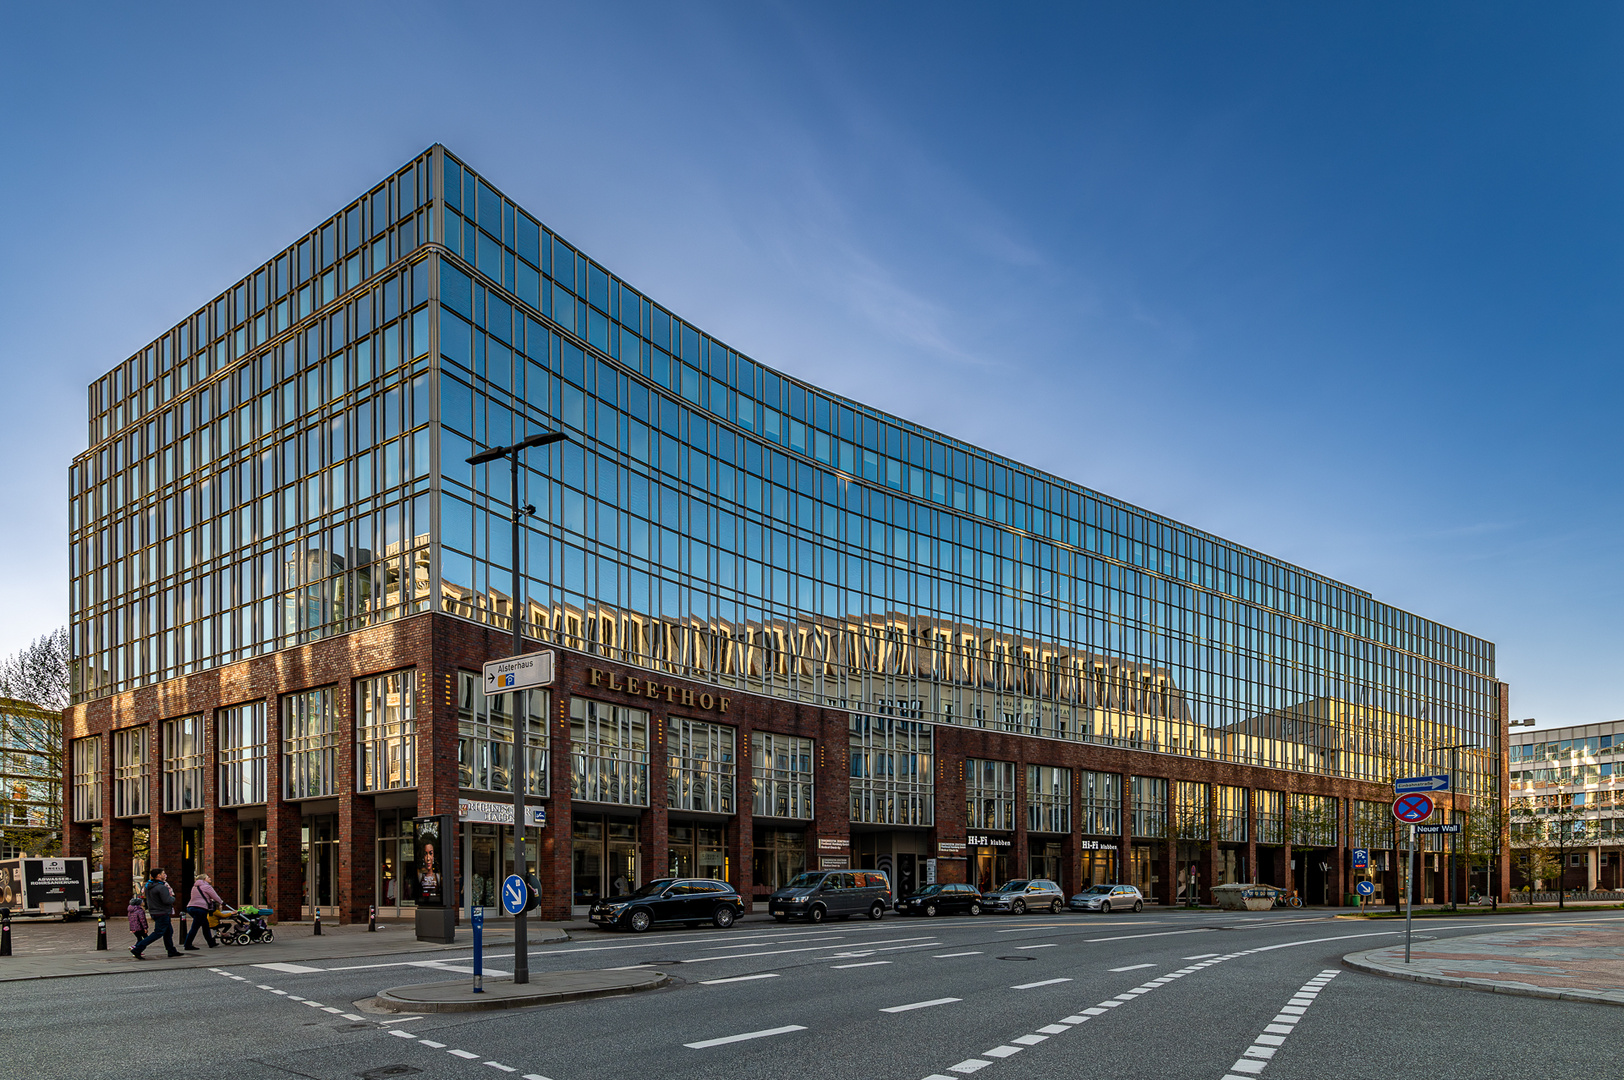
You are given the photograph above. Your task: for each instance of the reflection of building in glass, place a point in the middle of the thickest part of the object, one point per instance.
(30, 779)
(274, 528)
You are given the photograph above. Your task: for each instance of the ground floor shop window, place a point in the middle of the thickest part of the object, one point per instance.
(1144, 869)
(780, 854)
(1098, 867)
(991, 865)
(318, 839)
(698, 851)
(1043, 859)
(252, 868)
(1229, 867)
(487, 859)
(606, 858)
(397, 859)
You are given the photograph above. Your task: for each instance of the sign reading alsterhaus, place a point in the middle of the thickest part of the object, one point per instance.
(751, 586)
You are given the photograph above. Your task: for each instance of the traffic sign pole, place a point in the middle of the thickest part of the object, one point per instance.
(1409, 893)
(478, 919)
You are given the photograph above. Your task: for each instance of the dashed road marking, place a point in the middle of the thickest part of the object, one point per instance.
(920, 1005)
(950, 955)
(1133, 967)
(1256, 1057)
(866, 963)
(739, 978)
(705, 1044)
(1035, 985)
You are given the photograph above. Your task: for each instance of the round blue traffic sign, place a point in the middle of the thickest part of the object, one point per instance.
(1365, 888)
(1412, 808)
(514, 894)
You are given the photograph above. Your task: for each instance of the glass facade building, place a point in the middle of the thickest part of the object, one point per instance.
(287, 467)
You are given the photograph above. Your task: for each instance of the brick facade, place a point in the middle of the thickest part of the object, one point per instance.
(437, 646)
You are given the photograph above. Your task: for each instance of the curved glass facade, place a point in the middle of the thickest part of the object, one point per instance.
(290, 464)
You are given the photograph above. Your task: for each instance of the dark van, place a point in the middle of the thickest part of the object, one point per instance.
(820, 894)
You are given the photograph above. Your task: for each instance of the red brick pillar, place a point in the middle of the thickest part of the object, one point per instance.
(218, 858)
(1207, 866)
(1124, 871)
(1286, 854)
(1022, 860)
(555, 850)
(948, 837)
(1252, 875)
(1072, 863)
(741, 830)
(652, 837)
(118, 853)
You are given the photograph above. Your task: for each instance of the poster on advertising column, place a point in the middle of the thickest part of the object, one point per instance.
(435, 834)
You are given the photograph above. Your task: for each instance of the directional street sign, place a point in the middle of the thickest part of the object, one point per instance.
(1365, 888)
(519, 672)
(1407, 784)
(1361, 859)
(514, 894)
(1412, 809)
(1434, 830)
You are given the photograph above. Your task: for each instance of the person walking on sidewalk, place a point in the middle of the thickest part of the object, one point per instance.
(204, 902)
(138, 917)
(160, 906)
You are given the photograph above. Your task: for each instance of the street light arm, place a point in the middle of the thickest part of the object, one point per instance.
(489, 455)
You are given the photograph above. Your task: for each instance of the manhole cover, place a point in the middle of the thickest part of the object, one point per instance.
(1017, 958)
(387, 1070)
(647, 963)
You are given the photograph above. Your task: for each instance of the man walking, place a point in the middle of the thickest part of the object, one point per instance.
(160, 906)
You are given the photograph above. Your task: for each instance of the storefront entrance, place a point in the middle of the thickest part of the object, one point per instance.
(251, 866)
(990, 860)
(397, 862)
(1144, 871)
(318, 837)
(1099, 866)
(780, 855)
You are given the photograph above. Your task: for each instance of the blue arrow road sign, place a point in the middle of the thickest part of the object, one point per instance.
(1408, 784)
(1361, 859)
(1365, 888)
(513, 894)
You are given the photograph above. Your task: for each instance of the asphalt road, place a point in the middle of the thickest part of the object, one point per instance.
(1159, 994)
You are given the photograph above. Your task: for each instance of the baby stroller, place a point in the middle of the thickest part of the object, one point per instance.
(243, 925)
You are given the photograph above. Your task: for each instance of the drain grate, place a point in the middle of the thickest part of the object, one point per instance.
(384, 1071)
(1017, 958)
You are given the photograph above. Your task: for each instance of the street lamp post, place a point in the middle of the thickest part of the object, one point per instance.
(519, 772)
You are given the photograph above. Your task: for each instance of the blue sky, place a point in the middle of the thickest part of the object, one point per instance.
(1339, 283)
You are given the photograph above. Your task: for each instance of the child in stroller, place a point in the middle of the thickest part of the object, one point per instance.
(242, 925)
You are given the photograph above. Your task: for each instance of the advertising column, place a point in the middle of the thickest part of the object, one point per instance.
(436, 888)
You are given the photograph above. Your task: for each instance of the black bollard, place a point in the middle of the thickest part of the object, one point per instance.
(5, 931)
(318, 921)
(372, 918)
(183, 925)
(101, 933)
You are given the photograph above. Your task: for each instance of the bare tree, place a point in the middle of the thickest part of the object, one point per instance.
(33, 693)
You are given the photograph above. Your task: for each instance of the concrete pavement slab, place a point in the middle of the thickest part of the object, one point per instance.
(544, 988)
(1571, 963)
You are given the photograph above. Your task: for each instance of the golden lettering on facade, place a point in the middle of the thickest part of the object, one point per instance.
(724, 706)
(631, 685)
(687, 698)
(614, 681)
(594, 676)
(705, 702)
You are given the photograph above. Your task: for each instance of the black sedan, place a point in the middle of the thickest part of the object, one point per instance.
(670, 900)
(942, 900)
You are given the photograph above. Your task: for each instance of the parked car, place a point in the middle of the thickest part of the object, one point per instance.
(819, 894)
(670, 900)
(942, 900)
(1019, 897)
(1103, 898)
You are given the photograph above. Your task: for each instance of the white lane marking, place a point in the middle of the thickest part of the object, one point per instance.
(284, 993)
(1041, 982)
(866, 963)
(314, 1004)
(398, 1020)
(738, 978)
(950, 955)
(921, 1005)
(289, 969)
(1044, 947)
(1059, 1029)
(534, 1076)
(499, 1065)
(1256, 1057)
(705, 1044)
(969, 1065)
(399, 1034)
(465, 1055)
(1133, 967)
(1003, 1051)
(431, 1044)
(1030, 1040)
(1162, 933)
(329, 1008)
(1201, 956)
(260, 986)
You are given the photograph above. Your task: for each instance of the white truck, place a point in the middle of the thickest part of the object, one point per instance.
(45, 887)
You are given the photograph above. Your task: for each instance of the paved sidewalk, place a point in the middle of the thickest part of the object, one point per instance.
(544, 988)
(1576, 962)
(46, 950)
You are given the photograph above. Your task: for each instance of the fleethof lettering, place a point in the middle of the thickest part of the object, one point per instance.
(687, 698)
